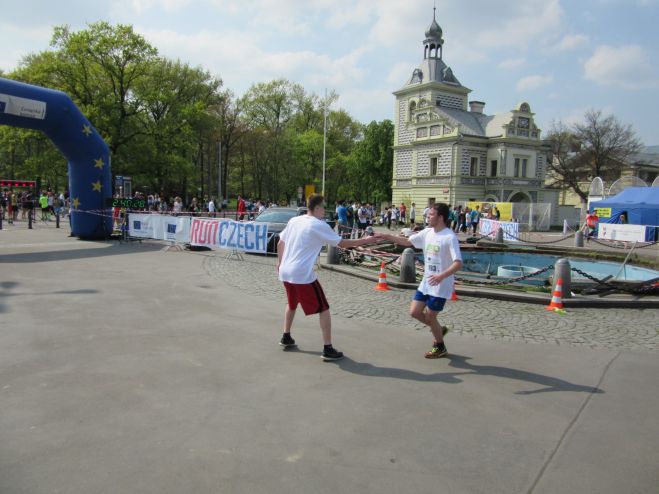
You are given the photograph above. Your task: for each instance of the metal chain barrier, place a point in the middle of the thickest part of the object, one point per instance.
(642, 288)
(613, 246)
(509, 281)
(538, 241)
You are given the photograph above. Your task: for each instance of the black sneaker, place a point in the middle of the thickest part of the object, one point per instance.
(287, 341)
(329, 353)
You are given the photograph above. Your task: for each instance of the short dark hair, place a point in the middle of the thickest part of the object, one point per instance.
(442, 210)
(314, 200)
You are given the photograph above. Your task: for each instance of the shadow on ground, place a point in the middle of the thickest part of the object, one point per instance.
(110, 249)
(7, 287)
(547, 383)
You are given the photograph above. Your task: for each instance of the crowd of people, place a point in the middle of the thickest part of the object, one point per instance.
(18, 204)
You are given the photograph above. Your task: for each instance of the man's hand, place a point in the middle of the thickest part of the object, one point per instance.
(435, 279)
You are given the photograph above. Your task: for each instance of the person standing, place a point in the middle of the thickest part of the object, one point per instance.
(475, 217)
(342, 215)
(592, 220)
(241, 209)
(442, 259)
(403, 213)
(412, 215)
(299, 245)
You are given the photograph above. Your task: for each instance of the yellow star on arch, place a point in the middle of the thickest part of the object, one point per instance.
(98, 163)
(97, 186)
(87, 130)
(76, 203)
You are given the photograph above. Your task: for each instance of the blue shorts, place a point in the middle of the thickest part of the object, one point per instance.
(435, 304)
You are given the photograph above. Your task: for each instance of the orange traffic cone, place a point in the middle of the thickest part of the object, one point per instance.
(454, 296)
(382, 279)
(556, 303)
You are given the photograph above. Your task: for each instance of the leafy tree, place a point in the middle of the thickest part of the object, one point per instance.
(372, 162)
(599, 147)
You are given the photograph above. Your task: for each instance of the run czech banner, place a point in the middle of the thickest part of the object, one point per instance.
(229, 234)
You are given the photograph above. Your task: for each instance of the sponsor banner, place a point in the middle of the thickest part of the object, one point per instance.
(505, 208)
(603, 212)
(229, 234)
(141, 225)
(510, 230)
(623, 233)
(172, 228)
(22, 107)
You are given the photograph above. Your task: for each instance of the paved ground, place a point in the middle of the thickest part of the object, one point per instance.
(132, 369)
(477, 317)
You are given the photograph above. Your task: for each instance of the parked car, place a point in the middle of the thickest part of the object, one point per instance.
(277, 219)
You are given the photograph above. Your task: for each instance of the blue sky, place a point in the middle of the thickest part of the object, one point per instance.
(563, 57)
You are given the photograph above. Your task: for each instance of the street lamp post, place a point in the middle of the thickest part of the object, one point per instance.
(324, 138)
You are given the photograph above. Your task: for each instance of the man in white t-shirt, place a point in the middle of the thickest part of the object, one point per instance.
(442, 259)
(299, 245)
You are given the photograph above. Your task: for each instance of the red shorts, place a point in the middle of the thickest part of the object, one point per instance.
(309, 295)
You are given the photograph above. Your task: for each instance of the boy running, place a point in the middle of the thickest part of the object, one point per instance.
(442, 258)
(297, 251)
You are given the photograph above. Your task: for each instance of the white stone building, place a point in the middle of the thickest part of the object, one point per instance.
(445, 152)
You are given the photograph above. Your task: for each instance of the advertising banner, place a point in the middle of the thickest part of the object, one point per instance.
(505, 208)
(229, 234)
(622, 233)
(172, 228)
(140, 225)
(510, 230)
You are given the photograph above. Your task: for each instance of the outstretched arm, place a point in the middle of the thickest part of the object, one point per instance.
(397, 239)
(348, 244)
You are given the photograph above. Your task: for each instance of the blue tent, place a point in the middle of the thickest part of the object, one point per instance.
(640, 203)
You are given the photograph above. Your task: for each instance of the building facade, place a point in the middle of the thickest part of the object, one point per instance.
(447, 150)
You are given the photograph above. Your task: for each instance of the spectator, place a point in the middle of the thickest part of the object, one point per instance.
(241, 209)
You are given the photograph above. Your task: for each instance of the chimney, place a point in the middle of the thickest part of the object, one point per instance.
(476, 107)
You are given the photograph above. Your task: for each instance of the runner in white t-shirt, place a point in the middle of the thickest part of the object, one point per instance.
(442, 259)
(299, 245)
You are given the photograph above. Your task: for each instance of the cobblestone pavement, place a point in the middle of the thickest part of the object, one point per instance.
(351, 297)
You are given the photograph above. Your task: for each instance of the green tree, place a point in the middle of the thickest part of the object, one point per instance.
(372, 160)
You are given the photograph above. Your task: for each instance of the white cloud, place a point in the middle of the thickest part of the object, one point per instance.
(531, 21)
(572, 41)
(533, 82)
(511, 63)
(399, 73)
(368, 102)
(626, 66)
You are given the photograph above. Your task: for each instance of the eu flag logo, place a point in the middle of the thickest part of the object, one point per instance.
(137, 225)
(171, 228)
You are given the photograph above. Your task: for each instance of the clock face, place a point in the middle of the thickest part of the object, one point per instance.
(523, 122)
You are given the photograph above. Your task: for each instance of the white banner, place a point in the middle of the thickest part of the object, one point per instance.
(22, 107)
(510, 229)
(172, 228)
(140, 225)
(622, 233)
(229, 234)
(160, 227)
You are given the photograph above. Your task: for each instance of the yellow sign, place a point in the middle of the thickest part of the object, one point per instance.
(603, 212)
(309, 189)
(505, 209)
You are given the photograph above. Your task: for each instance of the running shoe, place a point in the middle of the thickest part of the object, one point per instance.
(331, 354)
(287, 341)
(437, 352)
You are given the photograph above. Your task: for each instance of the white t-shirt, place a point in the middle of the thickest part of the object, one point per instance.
(211, 207)
(440, 249)
(303, 237)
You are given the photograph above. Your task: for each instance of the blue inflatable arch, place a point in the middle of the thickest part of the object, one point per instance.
(90, 178)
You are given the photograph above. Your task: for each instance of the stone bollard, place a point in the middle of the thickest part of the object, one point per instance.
(499, 236)
(56, 220)
(578, 239)
(563, 270)
(408, 266)
(333, 255)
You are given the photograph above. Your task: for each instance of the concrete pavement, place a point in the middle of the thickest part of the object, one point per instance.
(132, 369)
